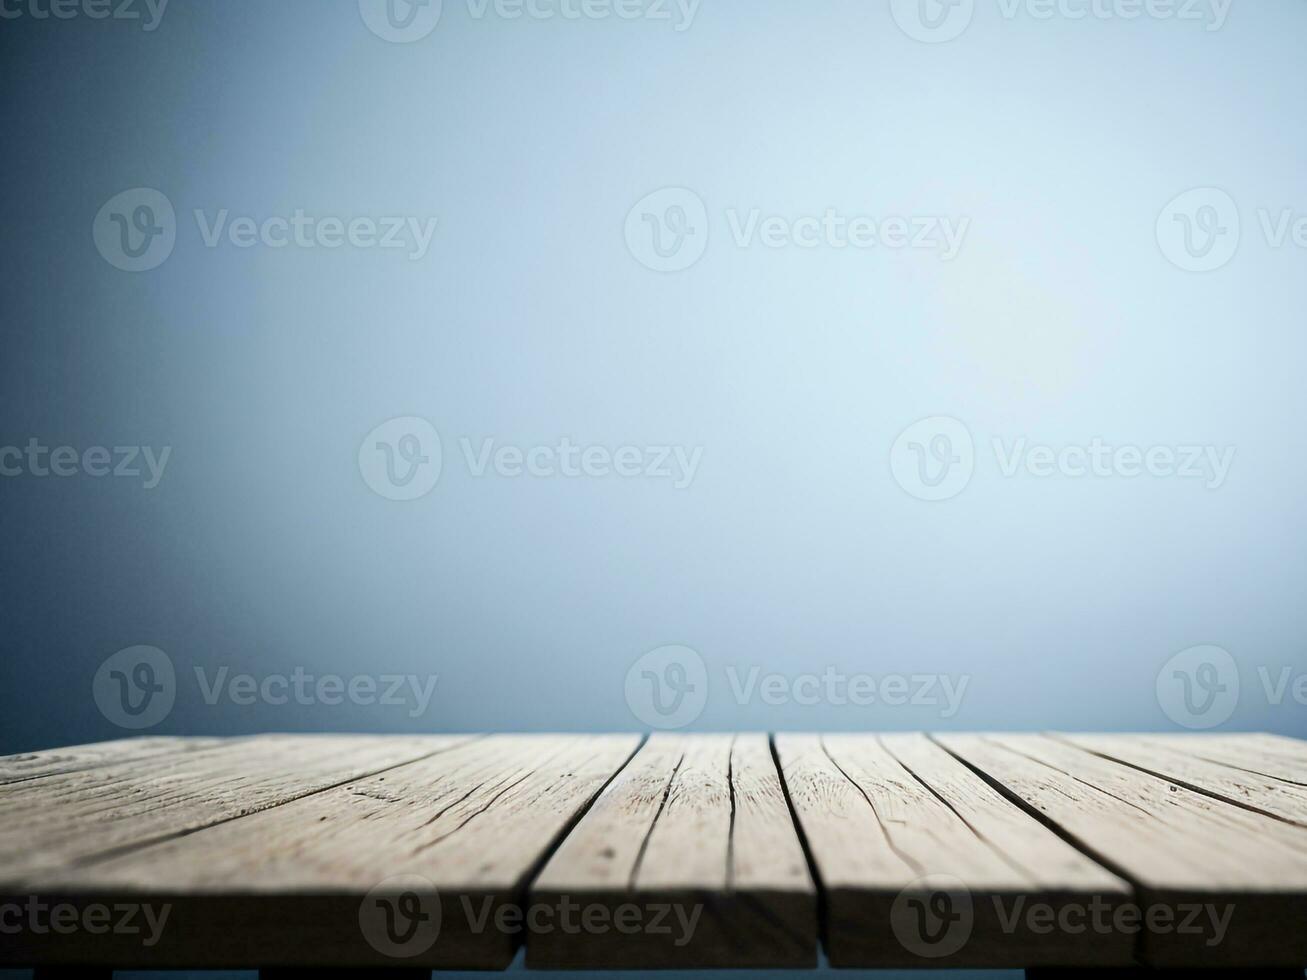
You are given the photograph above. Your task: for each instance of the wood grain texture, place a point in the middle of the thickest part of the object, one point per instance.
(1267, 755)
(421, 852)
(1224, 885)
(690, 858)
(450, 839)
(922, 864)
(64, 820)
(1253, 790)
(49, 762)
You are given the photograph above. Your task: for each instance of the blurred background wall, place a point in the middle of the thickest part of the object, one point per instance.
(894, 365)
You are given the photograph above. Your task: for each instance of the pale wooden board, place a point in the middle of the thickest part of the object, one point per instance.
(896, 825)
(49, 762)
(63, 820)
(1270, 795)
(286, 886)
(695, 840)
(1186, 852)
(1267, 755)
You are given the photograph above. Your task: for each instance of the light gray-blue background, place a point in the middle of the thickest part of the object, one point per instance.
(794, 550)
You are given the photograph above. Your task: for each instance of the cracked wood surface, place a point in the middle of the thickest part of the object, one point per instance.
(456, 833)
(991, 850)
(1237, 875)
(64, 820)
(696, 833)
(32, 765)
(922, 864)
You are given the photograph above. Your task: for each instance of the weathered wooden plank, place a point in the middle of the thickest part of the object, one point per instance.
(422, 865)
(1219, 885)
(1268, 755)
(49, 762)
(1276, 797)
(690, 858)
(922, 864)
(65, 819)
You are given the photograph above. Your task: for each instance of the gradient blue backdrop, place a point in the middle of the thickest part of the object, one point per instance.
(794, 550)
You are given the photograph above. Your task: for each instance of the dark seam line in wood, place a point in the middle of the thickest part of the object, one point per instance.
(533, 871)
(1221, 797)
(1074, 778)
(1196, 752)
(122, 849)
(730, 833)
(491, 802)
(129, 760)
(522, 893)
(1137, 887)
(1255, 772)
(998, 852)
(884, 831)
(813, 871)
(125, 786)
(644, 844)
(474, 766)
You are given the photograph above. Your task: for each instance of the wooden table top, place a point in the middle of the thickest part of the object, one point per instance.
(617, 851)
